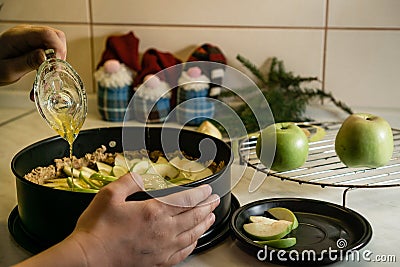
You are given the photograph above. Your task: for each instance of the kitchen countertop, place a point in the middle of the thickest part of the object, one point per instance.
(21, 125)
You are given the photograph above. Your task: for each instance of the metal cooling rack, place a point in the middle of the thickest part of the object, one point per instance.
(324, 168)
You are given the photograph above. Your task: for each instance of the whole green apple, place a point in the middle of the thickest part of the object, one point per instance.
(364, 140)
(291, 146)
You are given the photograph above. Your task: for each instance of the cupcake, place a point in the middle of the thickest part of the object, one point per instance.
(114, 82)
(194, 105)
(151, 102)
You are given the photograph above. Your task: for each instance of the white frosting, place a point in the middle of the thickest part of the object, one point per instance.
(121, 78)
(153, 94)
(188, 83)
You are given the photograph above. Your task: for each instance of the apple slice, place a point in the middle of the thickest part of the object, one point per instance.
(104, 168)
(120, 160)
(162, 160)
(141, 167)
(268, 231)
(71, 171)
(279, 243)
(118, 171)
(210, 129)
(153, 182)
(163, 170)
(284, 214)
(314, 133)
(261, 219)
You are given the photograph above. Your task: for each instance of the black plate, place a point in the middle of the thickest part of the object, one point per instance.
(32, 245)
(327, 232)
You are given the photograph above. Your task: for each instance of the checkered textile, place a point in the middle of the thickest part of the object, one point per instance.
(154, 61)
(189, 94)
(209, 52)
(158, 113)
(195, 111)
(112, 102)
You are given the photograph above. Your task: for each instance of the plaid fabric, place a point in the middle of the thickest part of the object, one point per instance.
(158, 113)
(195, 111)
(208, 52)
(112, 102)
(184, 95)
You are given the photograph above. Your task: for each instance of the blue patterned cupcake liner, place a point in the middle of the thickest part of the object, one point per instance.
(150, 111)
(195, 111)
(184, 95)
(112, 102)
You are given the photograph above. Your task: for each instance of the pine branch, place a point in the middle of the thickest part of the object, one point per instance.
(286, 98)
(318, 92)
(253, 68)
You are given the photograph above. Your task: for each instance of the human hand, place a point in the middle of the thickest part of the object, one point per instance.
(116, 232)
(22, 50)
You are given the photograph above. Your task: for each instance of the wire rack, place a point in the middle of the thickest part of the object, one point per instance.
(324, 168)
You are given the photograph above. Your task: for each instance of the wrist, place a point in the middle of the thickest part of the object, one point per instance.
(91, 249)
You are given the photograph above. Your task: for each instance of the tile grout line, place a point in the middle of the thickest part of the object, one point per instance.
(325, 45)
(17, 117)
(260, 27)
(91, 40)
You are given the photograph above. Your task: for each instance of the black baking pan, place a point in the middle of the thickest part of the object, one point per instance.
(48, 215)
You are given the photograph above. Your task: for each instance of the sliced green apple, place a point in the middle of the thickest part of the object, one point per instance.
(284, 214)
(119, 171)
(279, 243)
(120, 160)
(210, 129)
(71, 171)
(104, 168)
(153, 182)
(268, 231)
(314, 133)
(141, 167)
(261, 219)
(163, 170)
(161, 160)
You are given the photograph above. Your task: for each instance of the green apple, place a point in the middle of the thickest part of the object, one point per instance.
(268, 231)
(279, 243)
(284, 214)
(261, 219)
(314, 133)
(291, 149)
(364, 140)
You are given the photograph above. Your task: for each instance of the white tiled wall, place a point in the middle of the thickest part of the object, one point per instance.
(352, 45)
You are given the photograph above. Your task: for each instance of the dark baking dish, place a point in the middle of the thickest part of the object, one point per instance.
(49, 215)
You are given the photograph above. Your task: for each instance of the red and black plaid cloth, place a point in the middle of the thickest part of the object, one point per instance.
(154, 61)
(208, 52)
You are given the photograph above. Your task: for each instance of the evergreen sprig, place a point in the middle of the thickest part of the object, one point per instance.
(285, 93)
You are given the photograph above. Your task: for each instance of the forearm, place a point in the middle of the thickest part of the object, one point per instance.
(69, 253)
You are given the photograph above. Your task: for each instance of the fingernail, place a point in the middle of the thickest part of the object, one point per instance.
(216, 198)
(211, 217)
(209, 189)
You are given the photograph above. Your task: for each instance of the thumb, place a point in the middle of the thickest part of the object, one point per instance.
(15, 68)
(126, 185)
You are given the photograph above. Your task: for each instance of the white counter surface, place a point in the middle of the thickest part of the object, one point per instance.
(22, 126)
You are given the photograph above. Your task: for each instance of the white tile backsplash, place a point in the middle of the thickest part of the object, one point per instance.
(211, 12)
(300, 49)
(359, 59)
(364, 13)
(70, 11)
(363, 67)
